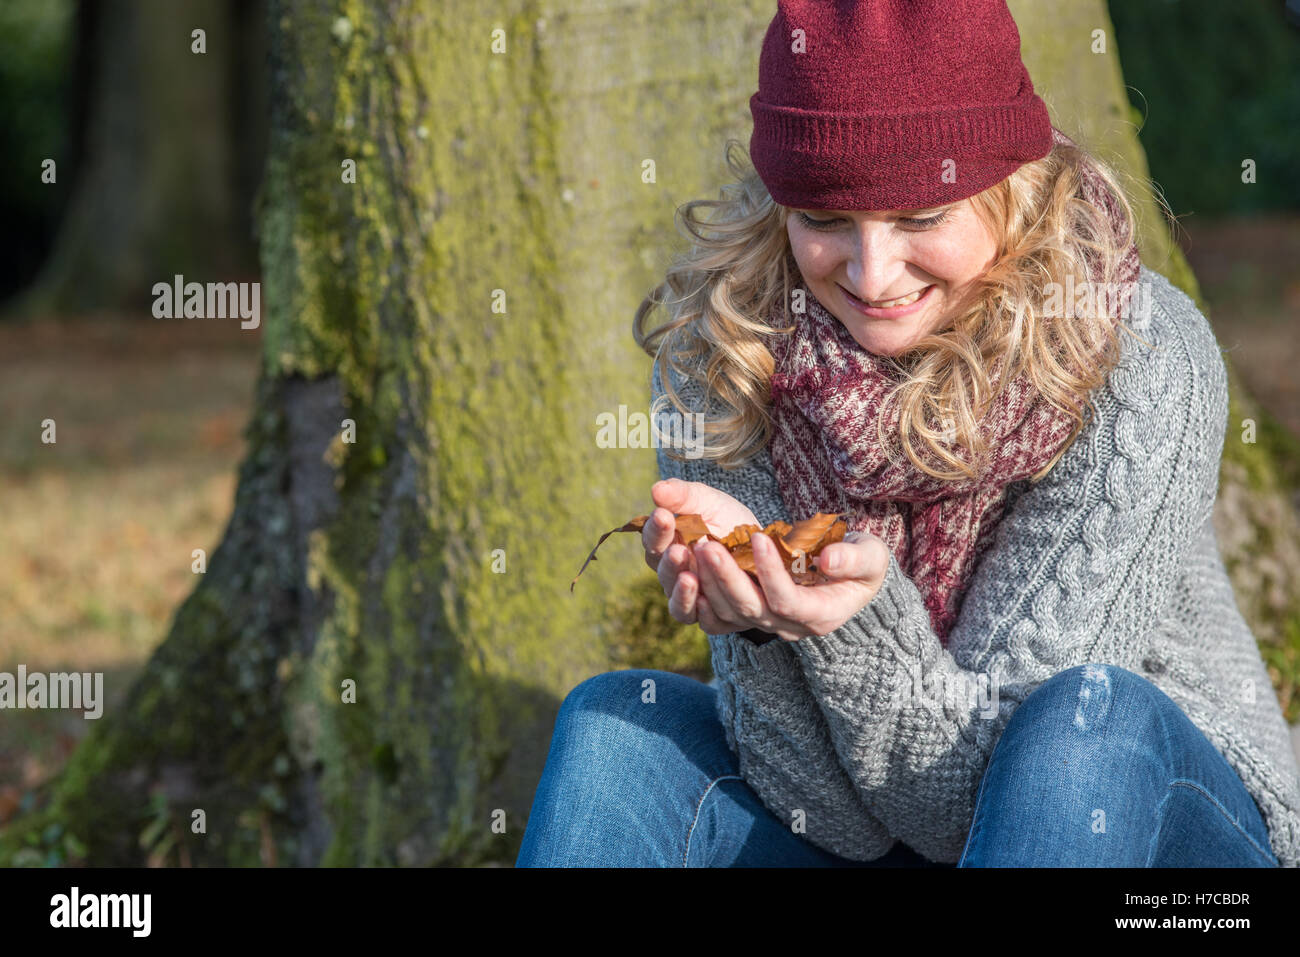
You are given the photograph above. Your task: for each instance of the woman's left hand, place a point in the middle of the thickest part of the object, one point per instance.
(730, 601)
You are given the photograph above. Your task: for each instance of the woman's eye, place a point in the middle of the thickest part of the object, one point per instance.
(817, 223)
(927, 222)
(909, 223)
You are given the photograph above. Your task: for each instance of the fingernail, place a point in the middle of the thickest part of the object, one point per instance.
(831, 562)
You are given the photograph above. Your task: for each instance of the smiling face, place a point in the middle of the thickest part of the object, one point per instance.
(891, 277)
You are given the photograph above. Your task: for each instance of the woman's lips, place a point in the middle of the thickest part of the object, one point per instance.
(887, 312)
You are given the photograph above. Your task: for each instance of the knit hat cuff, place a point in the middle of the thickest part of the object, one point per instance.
(824, 160)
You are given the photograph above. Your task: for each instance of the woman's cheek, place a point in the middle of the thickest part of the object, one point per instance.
(816, 258)
(950, 261)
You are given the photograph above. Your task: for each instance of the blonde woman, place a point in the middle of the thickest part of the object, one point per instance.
(923, 310)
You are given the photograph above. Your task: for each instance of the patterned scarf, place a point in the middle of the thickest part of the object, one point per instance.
(827, 395)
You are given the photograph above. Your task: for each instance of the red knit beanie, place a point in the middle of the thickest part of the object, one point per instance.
(892, 104)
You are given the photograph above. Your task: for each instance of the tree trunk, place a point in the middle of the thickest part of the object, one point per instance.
(428, 561)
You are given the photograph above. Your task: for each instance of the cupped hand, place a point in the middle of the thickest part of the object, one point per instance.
(704, 584)
(674, 562)
(731, 601)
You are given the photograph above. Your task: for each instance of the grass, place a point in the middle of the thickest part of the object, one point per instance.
(100, 525)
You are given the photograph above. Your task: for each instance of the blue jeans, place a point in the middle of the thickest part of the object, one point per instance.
(1097, 768)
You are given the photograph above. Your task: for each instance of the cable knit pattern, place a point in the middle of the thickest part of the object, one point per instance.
(1110, 559)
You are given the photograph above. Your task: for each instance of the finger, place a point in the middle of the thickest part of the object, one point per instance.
(739, 587)
(782, 595)
(682, 603)
(673, 563)
(709, 588)
(686, 498)
(730, 591)
(709, 622)
(657, 534)
(673, 494)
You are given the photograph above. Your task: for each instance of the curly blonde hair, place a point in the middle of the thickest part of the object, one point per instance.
(740, 269)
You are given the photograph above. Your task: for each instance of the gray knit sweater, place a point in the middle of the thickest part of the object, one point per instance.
(878, 733)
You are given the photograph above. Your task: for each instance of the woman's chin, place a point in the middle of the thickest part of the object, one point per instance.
(888, 337)
(888, 343)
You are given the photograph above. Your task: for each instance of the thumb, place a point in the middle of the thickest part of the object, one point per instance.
(676, 495)
(856, 556)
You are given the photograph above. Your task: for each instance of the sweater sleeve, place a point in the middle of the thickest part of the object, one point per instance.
(1078, 572)
(771, 722)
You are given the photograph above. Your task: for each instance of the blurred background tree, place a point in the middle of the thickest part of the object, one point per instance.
(1215, 83)
(158, 148)
(38, 74)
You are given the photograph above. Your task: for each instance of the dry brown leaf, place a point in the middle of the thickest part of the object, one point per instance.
(804, 540)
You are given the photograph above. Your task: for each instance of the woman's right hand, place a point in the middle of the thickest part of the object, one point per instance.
(675, 563)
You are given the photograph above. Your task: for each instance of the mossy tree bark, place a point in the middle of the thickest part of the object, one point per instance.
(428, 561)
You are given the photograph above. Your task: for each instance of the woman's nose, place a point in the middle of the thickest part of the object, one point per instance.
(874, 263)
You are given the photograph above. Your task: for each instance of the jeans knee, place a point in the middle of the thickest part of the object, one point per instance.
(1084, 680)
(636, 701)
(1091, 695)
(613, 690)
(620, 720)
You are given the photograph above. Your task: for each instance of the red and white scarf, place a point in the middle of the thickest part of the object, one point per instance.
(827, 394)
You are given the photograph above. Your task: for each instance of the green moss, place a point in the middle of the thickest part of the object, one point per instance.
(1272, 461)
(649, 637)
(1271, 468)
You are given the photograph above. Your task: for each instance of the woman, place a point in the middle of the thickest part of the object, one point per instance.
(1027, 651)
